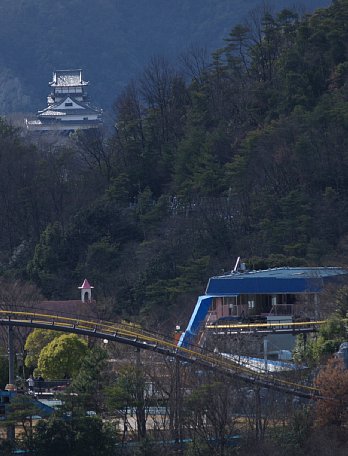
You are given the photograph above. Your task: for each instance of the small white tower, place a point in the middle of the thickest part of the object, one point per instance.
(86, 291)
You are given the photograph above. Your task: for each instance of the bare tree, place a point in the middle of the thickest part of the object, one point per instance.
(164, 91)
(17, 296)
(195, 62)
(129, 121)
(332, 381)
(211, 411)
(94, 150)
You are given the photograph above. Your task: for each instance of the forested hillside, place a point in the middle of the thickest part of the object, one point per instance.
(110, 40)
(247, 159)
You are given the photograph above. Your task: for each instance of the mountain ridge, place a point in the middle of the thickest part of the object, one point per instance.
(111, 41)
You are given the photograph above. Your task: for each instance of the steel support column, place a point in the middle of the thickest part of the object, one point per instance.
(11, 356)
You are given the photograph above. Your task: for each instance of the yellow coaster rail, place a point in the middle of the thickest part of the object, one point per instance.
(141, 338)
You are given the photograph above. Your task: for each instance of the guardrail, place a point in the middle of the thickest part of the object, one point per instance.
(44, 385)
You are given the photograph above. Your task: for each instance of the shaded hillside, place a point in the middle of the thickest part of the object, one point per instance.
(111, 41)
(248, 158)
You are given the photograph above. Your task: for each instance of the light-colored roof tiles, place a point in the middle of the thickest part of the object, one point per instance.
(288, 272)
(68, 78)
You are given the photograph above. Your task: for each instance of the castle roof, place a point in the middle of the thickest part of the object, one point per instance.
(51, 111)
(58, 109)
(67, 78)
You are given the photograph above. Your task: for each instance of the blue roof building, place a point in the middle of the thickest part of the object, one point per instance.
(289, 291)
(277, 280)
(5, 399)
(7, 396)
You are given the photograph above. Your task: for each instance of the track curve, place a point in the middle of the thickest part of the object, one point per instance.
(135, 336)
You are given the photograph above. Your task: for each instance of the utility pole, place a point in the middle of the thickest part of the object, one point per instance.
(265, 352)
(258, 418)
(140, 400)
(11, 377)
(177, 408)
(11, 356)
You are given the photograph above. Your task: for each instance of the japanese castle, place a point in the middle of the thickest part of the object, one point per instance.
(69, 108)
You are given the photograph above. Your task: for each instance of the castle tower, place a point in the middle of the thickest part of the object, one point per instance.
(86, 291)
(69, 108)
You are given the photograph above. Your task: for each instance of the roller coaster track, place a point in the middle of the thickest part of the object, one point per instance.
(281, 327)
(135, 336)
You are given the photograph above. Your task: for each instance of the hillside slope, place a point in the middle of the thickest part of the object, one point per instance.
(249, 158)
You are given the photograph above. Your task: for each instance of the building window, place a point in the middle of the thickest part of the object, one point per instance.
(251, 305)
(228, 300)
(233, 310)
(68, 104)
(85, 118)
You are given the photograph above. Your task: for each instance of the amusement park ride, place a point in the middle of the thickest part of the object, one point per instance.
(239, 294)
(146, 340)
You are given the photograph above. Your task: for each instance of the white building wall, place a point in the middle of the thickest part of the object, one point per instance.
(69, 101)
(79, 117)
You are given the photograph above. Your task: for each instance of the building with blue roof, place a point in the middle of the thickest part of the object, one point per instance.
(5, 399)
(7, 396)
(286, 294)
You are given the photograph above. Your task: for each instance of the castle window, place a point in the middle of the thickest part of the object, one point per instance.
(68, 104)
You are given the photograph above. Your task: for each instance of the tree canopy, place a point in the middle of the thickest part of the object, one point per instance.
(62, 357)
(35, 342)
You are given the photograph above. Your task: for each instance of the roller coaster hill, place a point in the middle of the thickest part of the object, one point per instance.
(279, 289)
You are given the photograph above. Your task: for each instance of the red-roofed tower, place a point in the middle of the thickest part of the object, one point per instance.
(86, 291)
